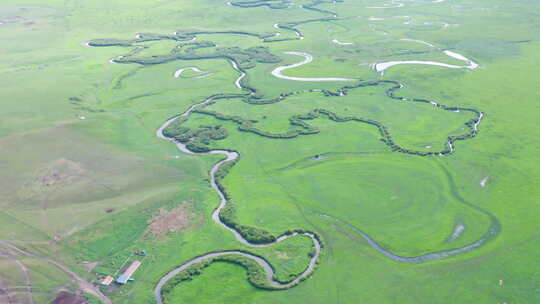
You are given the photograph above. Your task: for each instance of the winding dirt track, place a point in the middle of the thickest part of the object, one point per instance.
(84, 285)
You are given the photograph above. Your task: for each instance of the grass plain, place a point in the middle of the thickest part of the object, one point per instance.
(82, 171)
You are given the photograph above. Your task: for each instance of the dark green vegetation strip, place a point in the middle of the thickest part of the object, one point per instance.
(186, 275)
(274, 4)
(140, 38)
(183, 35)
(242, 58)
(251, 234)
(255, 273)
(198, 139)
(245, 59)
(303, 128)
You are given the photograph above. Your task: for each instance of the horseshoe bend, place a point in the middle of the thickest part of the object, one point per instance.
(269, 151)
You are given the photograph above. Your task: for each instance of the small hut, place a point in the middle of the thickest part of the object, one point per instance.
(126, 276)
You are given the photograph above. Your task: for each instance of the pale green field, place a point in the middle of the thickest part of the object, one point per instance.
(83, 172)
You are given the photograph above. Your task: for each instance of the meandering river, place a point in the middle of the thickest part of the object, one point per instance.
(230, 156)
(278, 72)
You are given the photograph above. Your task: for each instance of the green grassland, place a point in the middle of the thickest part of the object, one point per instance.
(227, 278)
(83, 172)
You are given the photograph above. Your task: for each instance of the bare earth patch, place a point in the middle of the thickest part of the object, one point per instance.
(282, 255)
(69, 298)
(175, 220)
(60, 172)
(51, 178)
